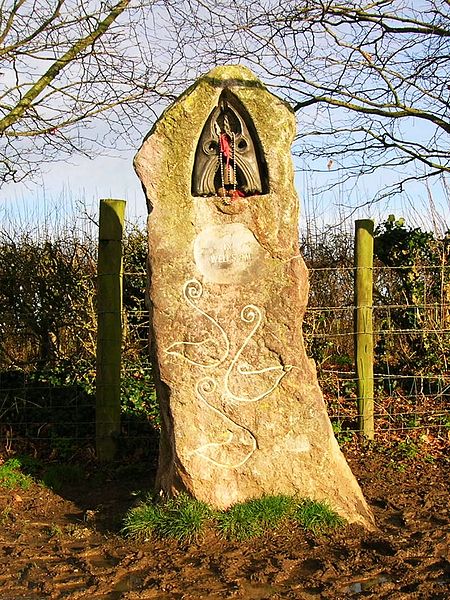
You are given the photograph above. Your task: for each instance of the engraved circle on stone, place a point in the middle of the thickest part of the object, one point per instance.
(228, 253)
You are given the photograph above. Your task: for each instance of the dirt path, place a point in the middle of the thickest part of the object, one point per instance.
(67, 546)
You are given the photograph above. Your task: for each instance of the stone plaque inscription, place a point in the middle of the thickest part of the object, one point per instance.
(229, 253)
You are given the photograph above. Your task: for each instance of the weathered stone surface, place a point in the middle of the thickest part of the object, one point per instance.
(242, 412)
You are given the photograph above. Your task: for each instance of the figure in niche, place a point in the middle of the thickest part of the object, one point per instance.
(229, 161)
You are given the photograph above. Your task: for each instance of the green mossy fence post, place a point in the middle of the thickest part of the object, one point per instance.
(109, 332)
(363, 324)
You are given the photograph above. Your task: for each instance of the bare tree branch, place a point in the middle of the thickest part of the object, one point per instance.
(82, 76)
(369, 79)
(17, 112)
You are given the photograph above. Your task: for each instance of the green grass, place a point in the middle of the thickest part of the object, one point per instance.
(182, 518)
(316, 516)
(143, 521)
(22, 471)
(11, 477)
(254, 517)
(185, 519)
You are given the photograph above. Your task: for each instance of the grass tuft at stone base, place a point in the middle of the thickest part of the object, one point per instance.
(254, 517)
(182, 518)
(186, 519)
(317, 516)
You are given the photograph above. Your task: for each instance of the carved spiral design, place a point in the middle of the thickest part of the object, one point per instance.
(193, 290)
(250, 313)
(206, 386)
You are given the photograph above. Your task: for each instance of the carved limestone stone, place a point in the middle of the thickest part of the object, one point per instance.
(242, 412)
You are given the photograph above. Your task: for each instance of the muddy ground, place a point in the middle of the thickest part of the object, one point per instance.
(68, 545)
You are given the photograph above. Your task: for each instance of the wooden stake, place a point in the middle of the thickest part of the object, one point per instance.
(109, 332)
(363, 324)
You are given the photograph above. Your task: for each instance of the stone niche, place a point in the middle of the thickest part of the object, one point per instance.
(242, 413)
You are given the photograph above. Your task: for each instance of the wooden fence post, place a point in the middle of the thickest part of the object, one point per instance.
(363, 325)
(109, 327)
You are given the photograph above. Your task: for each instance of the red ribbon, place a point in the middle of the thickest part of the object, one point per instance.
(225, 147)
(236, 194)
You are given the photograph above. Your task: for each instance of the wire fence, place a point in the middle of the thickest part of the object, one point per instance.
(411, 334)
(53, 410)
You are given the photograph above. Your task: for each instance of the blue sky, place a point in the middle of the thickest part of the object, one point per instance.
(71, 189)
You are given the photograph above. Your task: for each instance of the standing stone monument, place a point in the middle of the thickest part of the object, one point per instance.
(242, 412)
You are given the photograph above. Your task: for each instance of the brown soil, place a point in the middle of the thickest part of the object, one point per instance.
(68, 545)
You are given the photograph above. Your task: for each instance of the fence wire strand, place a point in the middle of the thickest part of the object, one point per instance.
(406, 403)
